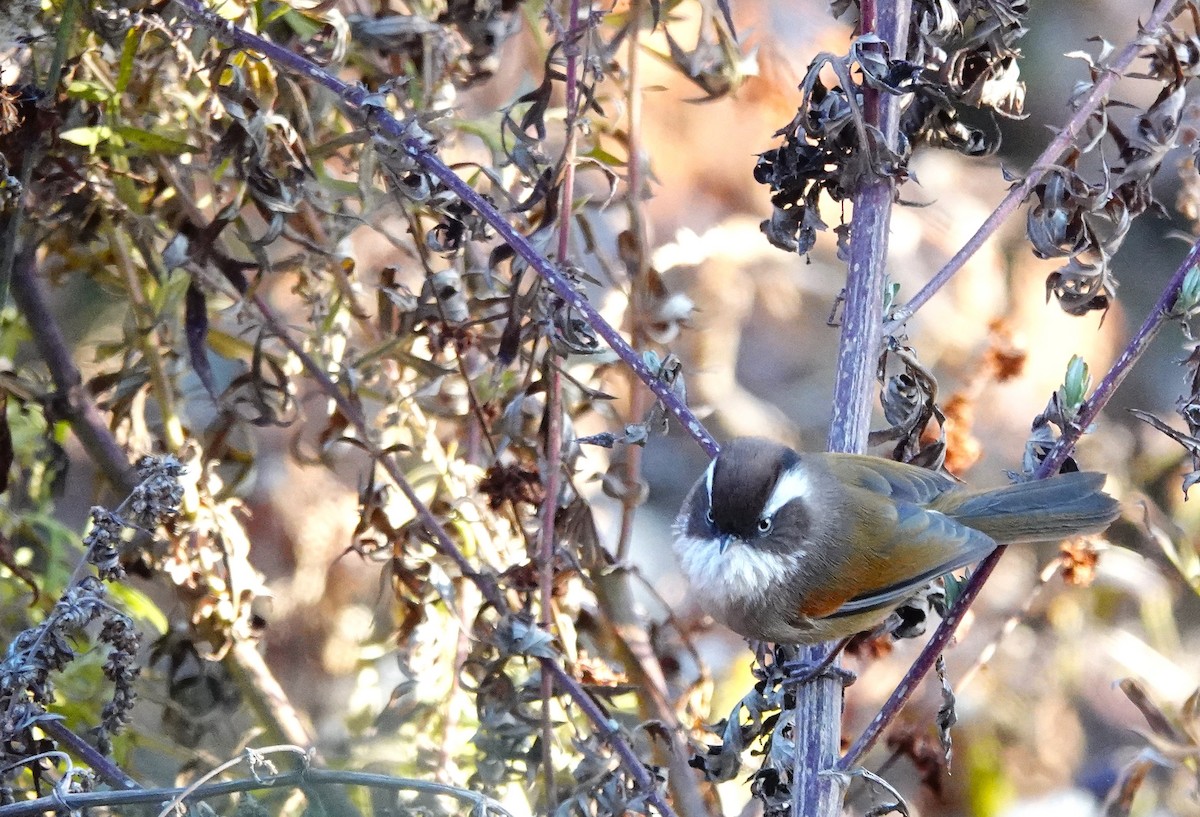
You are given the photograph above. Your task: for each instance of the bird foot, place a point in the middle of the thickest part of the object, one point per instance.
(801, 672)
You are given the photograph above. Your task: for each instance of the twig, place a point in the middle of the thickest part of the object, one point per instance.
(631, 497)
(546, 551)
(308, 777)
(1043, 164)
(268, 700)
(355, 417)
(144, 329)
(75, 404)
(102, 765)
(1117, 373)
(553, 377)
(609, 730)
(358, 98)
(1087, 414)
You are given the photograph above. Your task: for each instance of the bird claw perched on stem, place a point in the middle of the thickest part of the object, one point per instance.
(801, 671)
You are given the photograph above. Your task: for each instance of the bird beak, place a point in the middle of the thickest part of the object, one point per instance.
(725, 540)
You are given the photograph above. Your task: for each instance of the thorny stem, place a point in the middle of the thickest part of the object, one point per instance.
(1043, 164)
(1088, 412)
(358, 98)
(487, 586)
(817, 714)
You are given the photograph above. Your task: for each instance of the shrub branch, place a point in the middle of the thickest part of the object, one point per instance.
(1088, 412)
(358, 99)
(1042, 165)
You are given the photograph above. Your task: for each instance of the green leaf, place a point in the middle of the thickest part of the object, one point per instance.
(604, 157)
(140, 607)
(1189, 293)
(133, 38)
(303, 26)
(1075, 385)
(151, 142)
(88, 136)
(954, 588)
(88, 91)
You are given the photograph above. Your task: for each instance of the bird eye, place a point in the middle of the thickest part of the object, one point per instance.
(709, 516)
(764, 524)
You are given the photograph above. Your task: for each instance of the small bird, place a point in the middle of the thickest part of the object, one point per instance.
(801, 548)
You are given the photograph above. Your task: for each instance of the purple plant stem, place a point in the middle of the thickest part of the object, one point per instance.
(102, 765)
(306, 779)
(358, 98)
(1088, 413)
(818, 707)
(1117, 373)
(610, 731)
(1041, 165)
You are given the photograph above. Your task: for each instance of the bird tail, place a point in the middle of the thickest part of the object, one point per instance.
(1043, 510)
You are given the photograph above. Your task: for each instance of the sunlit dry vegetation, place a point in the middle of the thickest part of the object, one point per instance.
(352, 356)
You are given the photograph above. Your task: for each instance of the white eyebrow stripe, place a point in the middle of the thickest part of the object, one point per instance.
(708, 478)
(792, 484)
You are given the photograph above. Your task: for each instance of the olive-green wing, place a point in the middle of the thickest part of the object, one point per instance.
(905, 483)
(926, 544)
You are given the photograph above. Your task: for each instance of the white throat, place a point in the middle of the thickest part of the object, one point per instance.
(741, 576)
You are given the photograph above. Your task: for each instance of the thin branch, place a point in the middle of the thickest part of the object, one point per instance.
(75, 403)
(547, 544)
(1133, 351)
(104, 767)
(355, 417)
(482, 804)
(145, 330)
(267, 699)
(631, 496)
(610, 731)
(1042, 165)
(358, 98)
(1088, 412)
(546, 551)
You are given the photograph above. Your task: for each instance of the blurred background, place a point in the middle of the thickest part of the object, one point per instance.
(1044, 728)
